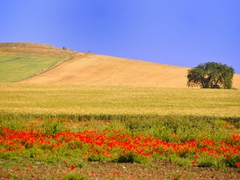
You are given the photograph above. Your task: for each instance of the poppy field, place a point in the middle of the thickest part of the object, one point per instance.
(78, 142)
(68, 145)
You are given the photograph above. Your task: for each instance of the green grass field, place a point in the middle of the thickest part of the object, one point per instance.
(14, 68)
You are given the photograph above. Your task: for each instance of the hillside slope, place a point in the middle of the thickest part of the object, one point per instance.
(93, 69)
(20, 61)
(236, 81)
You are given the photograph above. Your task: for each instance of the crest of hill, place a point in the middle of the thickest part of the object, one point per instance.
(32, 49)
(95, 69)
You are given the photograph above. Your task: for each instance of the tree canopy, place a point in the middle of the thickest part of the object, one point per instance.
(211, 75)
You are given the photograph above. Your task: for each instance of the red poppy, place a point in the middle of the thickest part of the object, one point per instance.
(8, 176)
(73, 167)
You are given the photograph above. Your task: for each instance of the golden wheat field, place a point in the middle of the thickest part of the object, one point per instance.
(78, 99)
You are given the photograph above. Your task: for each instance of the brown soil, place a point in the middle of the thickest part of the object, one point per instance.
(104, 171)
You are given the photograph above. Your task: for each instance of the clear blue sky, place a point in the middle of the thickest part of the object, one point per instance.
(175, 32)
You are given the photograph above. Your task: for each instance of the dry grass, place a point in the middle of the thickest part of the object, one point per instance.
(31, 49)
(110, 100)
(93, 69)
(236, 81)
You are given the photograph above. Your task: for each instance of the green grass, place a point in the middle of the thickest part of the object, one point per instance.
(15, 68)
(113, 101)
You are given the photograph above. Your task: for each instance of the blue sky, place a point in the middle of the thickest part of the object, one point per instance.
(174, 32)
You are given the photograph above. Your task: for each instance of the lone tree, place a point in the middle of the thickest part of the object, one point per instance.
(211, 75)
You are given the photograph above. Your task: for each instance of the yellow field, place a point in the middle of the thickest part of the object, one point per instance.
(78, 99)
(93, 69)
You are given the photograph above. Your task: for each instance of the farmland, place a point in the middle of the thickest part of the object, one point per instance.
(110, 100)
(22, 67)
(79, 126)
(70, 115)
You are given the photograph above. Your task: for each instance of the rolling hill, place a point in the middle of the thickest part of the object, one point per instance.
(95, 69)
